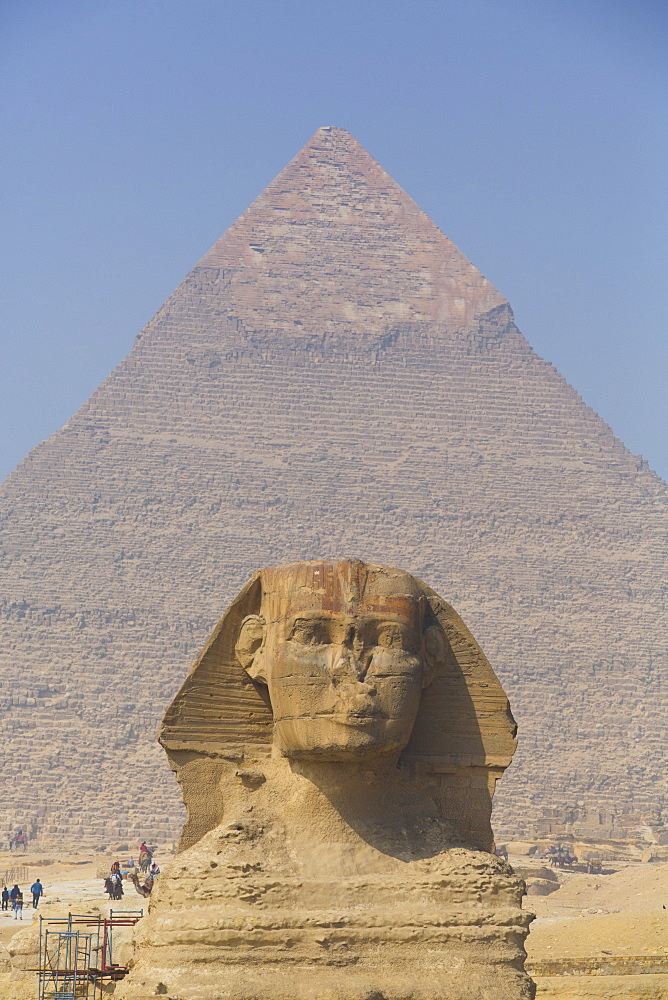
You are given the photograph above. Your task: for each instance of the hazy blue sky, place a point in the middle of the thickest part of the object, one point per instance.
(533, 132)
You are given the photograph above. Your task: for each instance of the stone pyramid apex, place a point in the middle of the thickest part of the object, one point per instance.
(335, 222)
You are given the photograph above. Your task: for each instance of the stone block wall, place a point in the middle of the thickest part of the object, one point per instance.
(333, 379)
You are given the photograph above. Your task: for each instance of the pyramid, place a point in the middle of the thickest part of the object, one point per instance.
(333, 378)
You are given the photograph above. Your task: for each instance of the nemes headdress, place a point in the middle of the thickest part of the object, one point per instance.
(464, 730)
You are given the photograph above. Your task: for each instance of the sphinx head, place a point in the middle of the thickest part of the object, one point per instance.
(345, 650)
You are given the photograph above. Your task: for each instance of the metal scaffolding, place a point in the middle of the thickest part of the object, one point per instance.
(64, 965)
(76, 954)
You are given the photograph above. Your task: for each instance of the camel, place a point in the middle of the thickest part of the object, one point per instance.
(143, 888)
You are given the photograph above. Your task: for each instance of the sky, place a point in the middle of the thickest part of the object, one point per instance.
(533, 132)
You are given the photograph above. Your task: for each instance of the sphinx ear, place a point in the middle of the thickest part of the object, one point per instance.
(433, 651)
(250, 647)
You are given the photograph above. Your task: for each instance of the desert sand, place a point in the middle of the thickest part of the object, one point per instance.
(612, 917)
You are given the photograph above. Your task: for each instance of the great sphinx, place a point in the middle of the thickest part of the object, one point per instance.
(337, 743)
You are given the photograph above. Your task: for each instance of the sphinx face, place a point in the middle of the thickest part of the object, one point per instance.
(344, 684)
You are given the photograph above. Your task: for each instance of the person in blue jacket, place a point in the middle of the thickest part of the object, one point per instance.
(37, 891)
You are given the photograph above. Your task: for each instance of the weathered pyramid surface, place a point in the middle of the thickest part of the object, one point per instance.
(333, 378)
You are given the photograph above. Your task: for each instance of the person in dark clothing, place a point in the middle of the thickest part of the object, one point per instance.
(14, 893)
(5, 897)
(37, 891)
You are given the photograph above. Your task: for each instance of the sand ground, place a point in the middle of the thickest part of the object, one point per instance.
(619, 915)
(71, 884)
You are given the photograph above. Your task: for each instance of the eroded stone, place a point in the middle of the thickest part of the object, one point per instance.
(347, 855)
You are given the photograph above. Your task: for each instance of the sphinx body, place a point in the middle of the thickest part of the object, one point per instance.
(337, 743)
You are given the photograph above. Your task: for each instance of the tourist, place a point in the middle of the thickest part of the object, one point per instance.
(145, 855)
(37, 891)
(5, 897)
(18, 906)
(14, 893)
(116, 881)
(154, 870)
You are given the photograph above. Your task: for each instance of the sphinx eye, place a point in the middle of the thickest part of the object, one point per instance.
(309, 633)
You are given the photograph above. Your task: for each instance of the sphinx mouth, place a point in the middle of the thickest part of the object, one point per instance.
(358, 716)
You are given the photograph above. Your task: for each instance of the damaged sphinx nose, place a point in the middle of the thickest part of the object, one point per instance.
(323, 653)
(337, 744)
(350, 663)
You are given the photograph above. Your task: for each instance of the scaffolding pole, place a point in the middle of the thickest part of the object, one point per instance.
(64, 965)
(67, 969)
